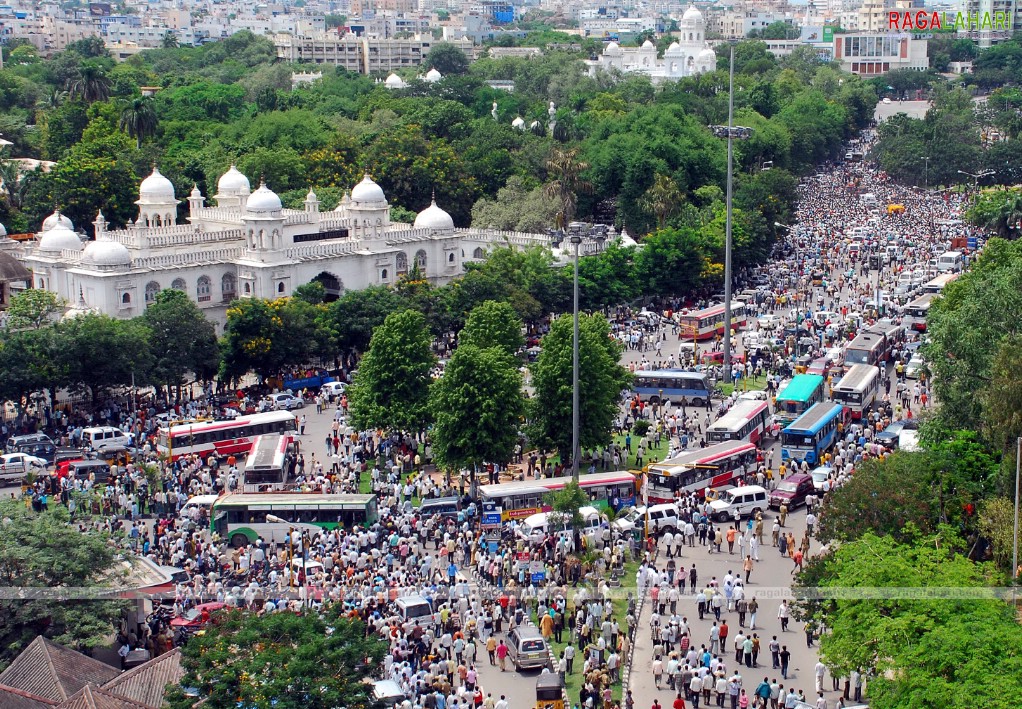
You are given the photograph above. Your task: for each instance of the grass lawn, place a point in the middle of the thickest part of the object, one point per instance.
(745, 384)
(619, 603)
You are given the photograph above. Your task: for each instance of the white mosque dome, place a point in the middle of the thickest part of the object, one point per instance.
(3, 231)
(55, 219)
(263, 200)
(343, 204)
(432, 76)
(707, 56)
(692, 15)
(156, 188)
(612, 48)
(675, 48)
(395, 82)
(648, 45)
(58, 239)
(432, 217)
(233, 182)
(106, 253)
(367, 191)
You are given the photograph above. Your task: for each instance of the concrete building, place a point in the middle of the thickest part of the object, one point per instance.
(365, 55)
(872, 54)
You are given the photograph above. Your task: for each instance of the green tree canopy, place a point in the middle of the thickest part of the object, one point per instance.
(182, 340)
(493, 324)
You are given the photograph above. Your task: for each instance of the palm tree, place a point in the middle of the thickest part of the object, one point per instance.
(169, 40)
(91, 84)
(1005, 219)
(138, 119)
(566, 170)
(662, 198)
(52, 99)
(11, 183)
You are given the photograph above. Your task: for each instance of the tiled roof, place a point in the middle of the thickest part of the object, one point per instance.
(11, 698)
(147, 683)
(54, 672)
(92, 697)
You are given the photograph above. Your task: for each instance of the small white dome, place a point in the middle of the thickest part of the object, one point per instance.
(432, 76)
(55, 219)
(368, 191)
(395, 82)
(156, 188)
(518, 123)
(707, 56)
(195, 192)
(612, 48)
(692, 15)
(648, 45)
(432, 217)
(233, 182)
(3, 231)
(263, 200)
(675, 48)
(58, 239)
(343, 204)
(106, 253)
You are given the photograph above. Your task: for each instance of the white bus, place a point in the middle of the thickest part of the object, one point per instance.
(269, 463)
(916, 312)
(938, 283)
(858, 389)
(222, 438)
(242, 518)
(745, 421)
(697, 470)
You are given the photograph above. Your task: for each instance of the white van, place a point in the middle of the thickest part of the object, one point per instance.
(535, 527)
(414, 609)
(663, 517)
(738, 502)
(194, 506)
(950, 262)
(102, 437)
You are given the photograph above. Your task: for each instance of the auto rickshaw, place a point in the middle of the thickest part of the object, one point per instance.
(895, 209)
(549, 692)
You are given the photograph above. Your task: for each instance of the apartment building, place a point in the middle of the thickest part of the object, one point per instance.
(365, 55)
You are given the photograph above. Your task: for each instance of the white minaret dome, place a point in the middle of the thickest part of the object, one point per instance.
(103, 252)
(432, 217)
(3, 231)
(612, 48)
(648, 45)
(692, 15)
(55, 219)
(707, 56)
(233, 182)
(675, 48)
(433, 76)
(367, 191)
(156, 188)
(344, 203)
(263, 200)
(395, 82)
(59, 238)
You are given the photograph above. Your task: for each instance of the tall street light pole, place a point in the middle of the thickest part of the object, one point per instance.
(576, 239)
(926, 172)
(1014, 546)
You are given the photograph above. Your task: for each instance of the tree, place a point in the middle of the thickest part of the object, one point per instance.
(182, 340)
(101, 352)
(139, 120)
(282, 660)
(448, 59)
(354, 316)
(566, 502)
(662, 199)
(32, 308)
(567, 184)
(45, 551)
(670, 262)
(493, 324)
(169, 40)
(601, 377)
(91, 84)
(391, 387)
(516, 208)
(265, 336)
(477, 407)
(999, 210)
(930, 639)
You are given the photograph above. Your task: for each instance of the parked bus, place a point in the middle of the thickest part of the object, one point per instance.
(858, 389)
(812, 434)
(521, 498)
(270, 463)
(917, 310)
(893, 337)
(704, 324)
(745, 421)
(232, 437)
(696, 470)
(675, 385)
(802, 392)
(867, 348)
(938, 283)
(242, 518)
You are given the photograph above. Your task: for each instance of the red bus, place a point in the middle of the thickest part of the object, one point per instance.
(704, 324)
(233, 437)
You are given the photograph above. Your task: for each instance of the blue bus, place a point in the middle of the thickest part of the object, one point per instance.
(678, 386)
(812, 434)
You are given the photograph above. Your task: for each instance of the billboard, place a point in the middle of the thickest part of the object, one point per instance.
(100, 9)
(817, 33)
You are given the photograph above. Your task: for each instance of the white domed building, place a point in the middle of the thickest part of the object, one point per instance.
(247, 245)
(689, 55)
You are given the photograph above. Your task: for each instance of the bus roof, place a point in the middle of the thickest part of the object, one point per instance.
(858, 375)
(703, 456)
(738, 415)
(669, 374)
(866, 341)
(815, 418)
(712, 310)
(922, 301)
(296, 499)
(938, 283)
(550, 484)
(801, 387)
(190, 428)
(267, 451)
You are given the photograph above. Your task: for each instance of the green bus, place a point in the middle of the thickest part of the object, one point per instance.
(242, 518)
(802, 392)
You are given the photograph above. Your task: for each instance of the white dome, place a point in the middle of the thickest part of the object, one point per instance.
(263, 200)
(433, 75)
(3, 231)
(432, 217)
(156, 188)
(58, 239)
(367, 191)
(343, 204)
(648, 45)
(233, 182)
(395, 82)
(692, 15)
(55, 219)
(707, 56)
(106, 253)
(612, 49)
(675, 48)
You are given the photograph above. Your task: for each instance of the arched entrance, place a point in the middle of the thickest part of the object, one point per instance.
(331, 284)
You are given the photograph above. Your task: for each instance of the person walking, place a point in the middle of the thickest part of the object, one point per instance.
(747, 566)
(785, 657)
(502, 651)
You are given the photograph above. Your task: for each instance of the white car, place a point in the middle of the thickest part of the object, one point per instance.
(769, 321)
(332, 390)
(914, 366)
(284, 401)
(16, 465)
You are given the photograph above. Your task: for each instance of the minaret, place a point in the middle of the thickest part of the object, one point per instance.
(100, 225)
(195, 201)
(312, 207)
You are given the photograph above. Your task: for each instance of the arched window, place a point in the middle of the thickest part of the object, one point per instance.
(248, 289)
(229, 286)
(401, 262)
(151, 289)
(383, 275)
(280, 287)
(478, 253)
(450, 259)
(420, 260)
(126, 299)
(204, 289)
(179, 284)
